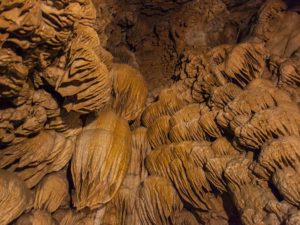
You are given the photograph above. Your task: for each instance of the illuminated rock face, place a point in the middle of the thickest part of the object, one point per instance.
(149, 112)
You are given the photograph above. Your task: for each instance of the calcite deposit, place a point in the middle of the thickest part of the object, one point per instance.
(149, 112)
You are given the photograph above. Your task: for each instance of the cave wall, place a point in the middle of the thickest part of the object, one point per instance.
(149, 112)
(153, 35)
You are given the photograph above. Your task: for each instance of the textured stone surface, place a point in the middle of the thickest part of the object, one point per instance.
(149, 112)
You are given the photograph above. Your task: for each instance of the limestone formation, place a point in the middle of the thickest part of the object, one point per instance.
(157, 201)
(15, 197)
(36, 217)
(52, 192)
(100, 161)
(38, 156)
(130, 91)
(149, 112)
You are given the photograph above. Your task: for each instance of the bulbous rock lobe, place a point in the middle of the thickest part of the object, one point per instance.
(101, 160)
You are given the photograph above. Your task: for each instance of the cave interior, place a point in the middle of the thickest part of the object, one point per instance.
(149, 112)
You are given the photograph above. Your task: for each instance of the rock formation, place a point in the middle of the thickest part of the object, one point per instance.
(149, 112)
